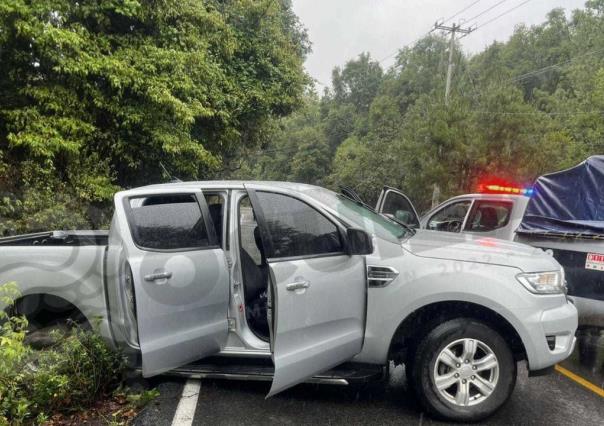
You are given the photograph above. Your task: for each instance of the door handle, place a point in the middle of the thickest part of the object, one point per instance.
(158, 276)
(298, 285)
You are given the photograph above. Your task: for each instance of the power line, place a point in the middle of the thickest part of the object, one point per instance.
(537, 112)
(547, 68)
(412, 43)
(461, 11)
(502, 14)
(403, 46)
(486, 10)
(482, 24)
(390, 55)
(398, 49)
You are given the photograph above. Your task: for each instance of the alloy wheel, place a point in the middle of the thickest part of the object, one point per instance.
(466, 372)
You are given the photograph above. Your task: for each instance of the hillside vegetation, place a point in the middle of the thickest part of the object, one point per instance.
(97, 95)
(100, 95)
(530, 105)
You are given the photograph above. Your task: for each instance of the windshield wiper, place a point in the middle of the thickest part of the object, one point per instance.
(352, 194)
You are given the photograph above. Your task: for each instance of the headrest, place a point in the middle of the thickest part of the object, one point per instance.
(488, 217)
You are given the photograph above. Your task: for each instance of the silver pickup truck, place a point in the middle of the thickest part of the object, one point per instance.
(560, 214)
(291, 283)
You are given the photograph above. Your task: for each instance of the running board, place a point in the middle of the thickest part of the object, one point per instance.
(342, 375)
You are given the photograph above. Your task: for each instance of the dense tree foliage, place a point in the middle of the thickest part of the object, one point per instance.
(520, 108)
(101, 94)
(98, 95)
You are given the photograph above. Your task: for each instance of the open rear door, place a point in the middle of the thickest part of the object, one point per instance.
(394, 204)
(319, 292)
(175, 276)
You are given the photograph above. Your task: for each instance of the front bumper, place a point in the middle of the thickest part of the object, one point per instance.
(550, 335)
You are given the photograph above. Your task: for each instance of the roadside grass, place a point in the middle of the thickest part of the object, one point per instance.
(77, 379)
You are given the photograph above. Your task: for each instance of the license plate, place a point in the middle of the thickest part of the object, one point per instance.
(594, 261)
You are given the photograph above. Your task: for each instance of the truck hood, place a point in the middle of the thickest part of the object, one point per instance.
(471, 248)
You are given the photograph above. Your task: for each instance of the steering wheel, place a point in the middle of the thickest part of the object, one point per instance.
(454, 226)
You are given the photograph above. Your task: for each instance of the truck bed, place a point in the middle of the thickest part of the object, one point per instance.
(58, 238)
(66, 265)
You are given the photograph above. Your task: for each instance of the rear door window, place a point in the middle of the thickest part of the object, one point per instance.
(489, 216)
(167, 222)
(451, 217)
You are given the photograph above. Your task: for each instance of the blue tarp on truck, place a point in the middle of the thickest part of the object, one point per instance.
(570, 202)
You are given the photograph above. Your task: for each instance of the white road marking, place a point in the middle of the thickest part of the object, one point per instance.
(185, 411)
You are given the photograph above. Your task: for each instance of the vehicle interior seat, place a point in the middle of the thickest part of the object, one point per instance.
(404, 216)
(460, 211)
(488, 218)
(255, 286)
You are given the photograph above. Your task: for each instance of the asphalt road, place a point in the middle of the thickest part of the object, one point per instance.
(553, 400)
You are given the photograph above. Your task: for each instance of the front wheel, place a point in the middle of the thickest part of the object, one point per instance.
(463, 370)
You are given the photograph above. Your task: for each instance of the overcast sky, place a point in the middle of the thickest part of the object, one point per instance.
(341, 29)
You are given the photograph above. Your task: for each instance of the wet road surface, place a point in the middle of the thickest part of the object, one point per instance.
(553, 400)
(588, 358)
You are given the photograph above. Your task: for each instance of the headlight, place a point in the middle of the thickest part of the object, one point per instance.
(543, 282)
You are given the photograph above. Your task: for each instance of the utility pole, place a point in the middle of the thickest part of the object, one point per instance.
(453, 29)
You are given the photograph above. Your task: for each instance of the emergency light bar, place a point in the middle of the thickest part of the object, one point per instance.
(499, 189)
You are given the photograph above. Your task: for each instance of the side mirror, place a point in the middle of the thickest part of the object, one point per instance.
(359, 241)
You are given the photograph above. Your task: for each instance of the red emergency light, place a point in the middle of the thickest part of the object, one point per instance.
(504, 189)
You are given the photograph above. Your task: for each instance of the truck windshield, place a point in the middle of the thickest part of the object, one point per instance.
(362, 216)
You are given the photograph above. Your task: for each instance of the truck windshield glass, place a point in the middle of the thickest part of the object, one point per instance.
(362, 216)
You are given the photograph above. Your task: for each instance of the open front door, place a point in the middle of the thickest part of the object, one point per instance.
(319, 292)
(394, 204)
(175, 276)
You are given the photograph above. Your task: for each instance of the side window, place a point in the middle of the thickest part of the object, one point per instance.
(450, 218)
(297, 229)
(167, 222)
(215, 204)
(397, 206)
(488, 216)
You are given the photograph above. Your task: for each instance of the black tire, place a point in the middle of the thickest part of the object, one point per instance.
(423, 363)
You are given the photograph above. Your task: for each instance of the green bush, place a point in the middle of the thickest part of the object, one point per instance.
(75, 372)
(69, 376)
(14, 356)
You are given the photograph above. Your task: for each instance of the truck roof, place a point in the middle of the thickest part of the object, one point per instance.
(174, 187)
(228, 184)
